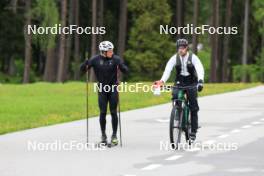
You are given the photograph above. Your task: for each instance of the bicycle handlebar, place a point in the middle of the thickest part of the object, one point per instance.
(179, 87)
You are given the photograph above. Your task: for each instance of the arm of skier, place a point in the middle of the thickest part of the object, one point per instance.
(86, 65)
(122, 66)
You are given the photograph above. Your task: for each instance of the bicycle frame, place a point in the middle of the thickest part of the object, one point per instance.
(183, 107)
(180, 116)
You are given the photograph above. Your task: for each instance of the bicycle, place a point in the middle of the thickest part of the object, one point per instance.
(180, 119)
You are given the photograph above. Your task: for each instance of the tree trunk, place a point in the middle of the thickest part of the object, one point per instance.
(93, 40)
(69, 43)
(100, 18)
(41, 62)
(13, 4)
(195, 22)
(122, 31)
(28, 48)
(220, 46)
(76, 43)
(11, 64)
(215, 42)
(180, 15)
(262, 59)
(225, 67)
(50, 72)
(62, 42)
(245, 38)
(262, 36)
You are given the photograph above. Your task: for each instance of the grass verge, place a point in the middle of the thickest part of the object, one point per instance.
(40, 104)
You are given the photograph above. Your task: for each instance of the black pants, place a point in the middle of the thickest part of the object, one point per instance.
(192, 98)
(103, 99)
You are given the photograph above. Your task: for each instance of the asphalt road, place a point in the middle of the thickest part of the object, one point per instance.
(233, 119)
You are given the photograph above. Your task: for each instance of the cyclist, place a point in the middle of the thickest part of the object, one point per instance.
(189, 72)
(106, 66)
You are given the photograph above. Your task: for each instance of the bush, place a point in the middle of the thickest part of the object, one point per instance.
(252, 73)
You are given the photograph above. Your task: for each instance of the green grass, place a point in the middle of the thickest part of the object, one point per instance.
(40, 104)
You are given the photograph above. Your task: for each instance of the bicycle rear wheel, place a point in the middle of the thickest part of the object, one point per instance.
(175, 128)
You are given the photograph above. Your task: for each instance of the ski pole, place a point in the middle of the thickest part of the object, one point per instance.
(119, 114)
(87, 107)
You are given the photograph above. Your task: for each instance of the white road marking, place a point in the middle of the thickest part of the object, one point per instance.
(173, 157)
(246, 126)
(235, 131)
(209, 142)
(223, 136)
(162, 120)
(256, 123)
(151, 167)
(241, 170)
(193, 149)
(262, 119)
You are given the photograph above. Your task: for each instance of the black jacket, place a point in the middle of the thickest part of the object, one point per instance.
(105, 68)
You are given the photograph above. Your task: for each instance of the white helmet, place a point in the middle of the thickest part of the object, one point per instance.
(106, 46)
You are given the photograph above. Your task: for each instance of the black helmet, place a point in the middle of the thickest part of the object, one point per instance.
(181, 42)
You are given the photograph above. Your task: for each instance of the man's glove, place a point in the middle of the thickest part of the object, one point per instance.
(83, 68)
(200, 85)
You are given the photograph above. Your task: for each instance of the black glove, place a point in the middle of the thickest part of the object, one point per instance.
(200, 85)
(83, 68)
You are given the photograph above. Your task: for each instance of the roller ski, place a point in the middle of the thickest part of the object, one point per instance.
(103, 142)
(114, 142)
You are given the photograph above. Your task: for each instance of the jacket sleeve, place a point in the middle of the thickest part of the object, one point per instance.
(169, 67)
(198, 67)
(122, 66)
(86, 64)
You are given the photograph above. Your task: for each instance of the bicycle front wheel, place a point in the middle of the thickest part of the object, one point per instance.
(187, 124)
(175, 128)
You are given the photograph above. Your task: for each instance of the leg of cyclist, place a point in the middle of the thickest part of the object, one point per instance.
(192, 96)
(174, 93)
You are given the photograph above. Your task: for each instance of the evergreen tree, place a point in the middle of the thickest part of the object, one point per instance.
(148, 49)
